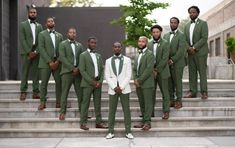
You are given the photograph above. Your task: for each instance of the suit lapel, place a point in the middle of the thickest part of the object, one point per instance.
(27, 25)
(89, 58)
(113, 66)
(56, 40)
(50, 39)
(120, 65)
(195, 31)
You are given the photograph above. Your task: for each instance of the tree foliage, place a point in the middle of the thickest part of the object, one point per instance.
(134, 19)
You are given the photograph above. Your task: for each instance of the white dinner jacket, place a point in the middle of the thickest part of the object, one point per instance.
(123, 78)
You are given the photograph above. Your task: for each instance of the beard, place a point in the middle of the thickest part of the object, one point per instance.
(32, 18)
(117, 54)
(142, 47)
(156, 39)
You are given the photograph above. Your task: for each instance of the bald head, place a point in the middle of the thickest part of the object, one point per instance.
(142, 42)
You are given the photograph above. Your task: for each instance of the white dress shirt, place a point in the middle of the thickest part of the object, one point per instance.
(52, 35)
(33, 29)
(117, 63)
(74, 53)
(172, 35)
(155, 49)
(191, 29)
(94, 59)
(139, 58)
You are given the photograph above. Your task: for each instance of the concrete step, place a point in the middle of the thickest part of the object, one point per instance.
(135, 112)
(36, 123)
(15, 94)
(72, 102)
(93, 132)
(212, 84)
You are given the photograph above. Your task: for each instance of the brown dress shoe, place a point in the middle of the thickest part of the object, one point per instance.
(141, 125)
(57, 105)
(62, 116)
(165, 115)
(84, 127)
(101, 125)
(36, 96)
(204, 96)
(172, 103)
(42, 106)
(146, 127)
(178, 105)
(190, 95)
(23, 96)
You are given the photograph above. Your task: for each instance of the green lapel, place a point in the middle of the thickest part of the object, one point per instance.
(27, 25)
(49, 39)
(195, 31)
(114, 65)
(88, 56)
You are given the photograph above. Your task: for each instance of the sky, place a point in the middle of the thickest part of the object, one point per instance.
(177, 8)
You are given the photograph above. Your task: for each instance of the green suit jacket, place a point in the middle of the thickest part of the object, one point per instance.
(200, 36)
(162, 57)
(26, 37)
(46, 47)
(145, 73)
(66, 56)
(87, 69)
(177, 48)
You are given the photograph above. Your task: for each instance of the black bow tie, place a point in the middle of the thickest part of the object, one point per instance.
(32, 21)
(119, 57)
(172, 32)
(92, 51)
(52, 31)
(72, 42)
(140, 51)
(193, 21)
(155, 42)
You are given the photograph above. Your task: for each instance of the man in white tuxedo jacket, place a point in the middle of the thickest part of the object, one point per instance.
(118, 73)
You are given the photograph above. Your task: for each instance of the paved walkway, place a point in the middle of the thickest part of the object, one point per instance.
(93, 142)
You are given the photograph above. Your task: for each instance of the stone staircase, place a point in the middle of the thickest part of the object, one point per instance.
(212, 117)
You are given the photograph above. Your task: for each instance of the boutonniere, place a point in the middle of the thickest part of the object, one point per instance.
(76, 44)
(158, 44)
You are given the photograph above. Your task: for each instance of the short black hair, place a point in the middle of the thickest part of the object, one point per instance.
(194, 7)
(156, 26)
(92, 38)
(73, 28)
(29, 7)
(175, 19)
(52, 17)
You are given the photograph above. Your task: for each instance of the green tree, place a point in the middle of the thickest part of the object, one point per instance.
(134, 19)
(71, 3)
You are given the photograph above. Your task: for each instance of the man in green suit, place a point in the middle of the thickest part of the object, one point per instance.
(48, 43)
(92, 71)
(160, 49)
(69, 52)
(196, 32)
(144, 82)
(176, 62)
(28, 34)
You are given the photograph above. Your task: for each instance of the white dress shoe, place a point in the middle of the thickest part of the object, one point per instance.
(129, 136)
(109, 136)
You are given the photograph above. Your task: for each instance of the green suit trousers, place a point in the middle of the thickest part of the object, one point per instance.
(113, 102)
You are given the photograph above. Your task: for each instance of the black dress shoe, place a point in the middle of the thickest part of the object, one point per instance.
(84, 127)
